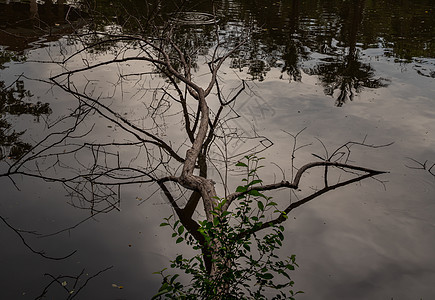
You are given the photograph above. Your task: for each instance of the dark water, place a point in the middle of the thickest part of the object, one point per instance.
(344, 70)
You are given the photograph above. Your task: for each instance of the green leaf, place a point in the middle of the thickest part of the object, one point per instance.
(241, 189)
(284, 273)
(267, 276)
(222, 203)
(260, 205)
(225, 213)
(180, 230)
(164, 224)
(179, 240)
(255, 182)
(258, 224)
(173, 278)
(255, 193)
(241, 164)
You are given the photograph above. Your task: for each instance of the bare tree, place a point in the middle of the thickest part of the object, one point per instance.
(93, 171)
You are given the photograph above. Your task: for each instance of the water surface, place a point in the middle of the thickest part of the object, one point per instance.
(344, 70)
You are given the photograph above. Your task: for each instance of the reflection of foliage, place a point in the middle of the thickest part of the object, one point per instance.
(346, 75)
(283, 34)
(24, 23)
(109, 20)
(135, 16)
(345, 72)
(193, 42)
(293, 53)
(12, 103)
(8, 56)
(11, 141)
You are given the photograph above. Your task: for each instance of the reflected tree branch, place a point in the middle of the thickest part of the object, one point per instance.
(23, 240)
(426, 166)
(63, 280)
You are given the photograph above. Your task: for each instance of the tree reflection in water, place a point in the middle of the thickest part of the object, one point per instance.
(344, 75)
(14, 101)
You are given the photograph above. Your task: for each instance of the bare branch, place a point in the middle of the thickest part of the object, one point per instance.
(41, 253)
(298, 176)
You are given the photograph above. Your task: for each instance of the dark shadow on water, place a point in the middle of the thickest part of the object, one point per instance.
(22, 23)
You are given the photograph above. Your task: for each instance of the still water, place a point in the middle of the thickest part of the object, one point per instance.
(343, 70)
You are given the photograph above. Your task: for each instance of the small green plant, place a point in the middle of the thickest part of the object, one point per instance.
(244, 263)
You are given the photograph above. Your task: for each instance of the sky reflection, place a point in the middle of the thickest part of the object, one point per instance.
(367, 241)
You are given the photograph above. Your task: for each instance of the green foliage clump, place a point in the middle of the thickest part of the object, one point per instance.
(244, 262)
